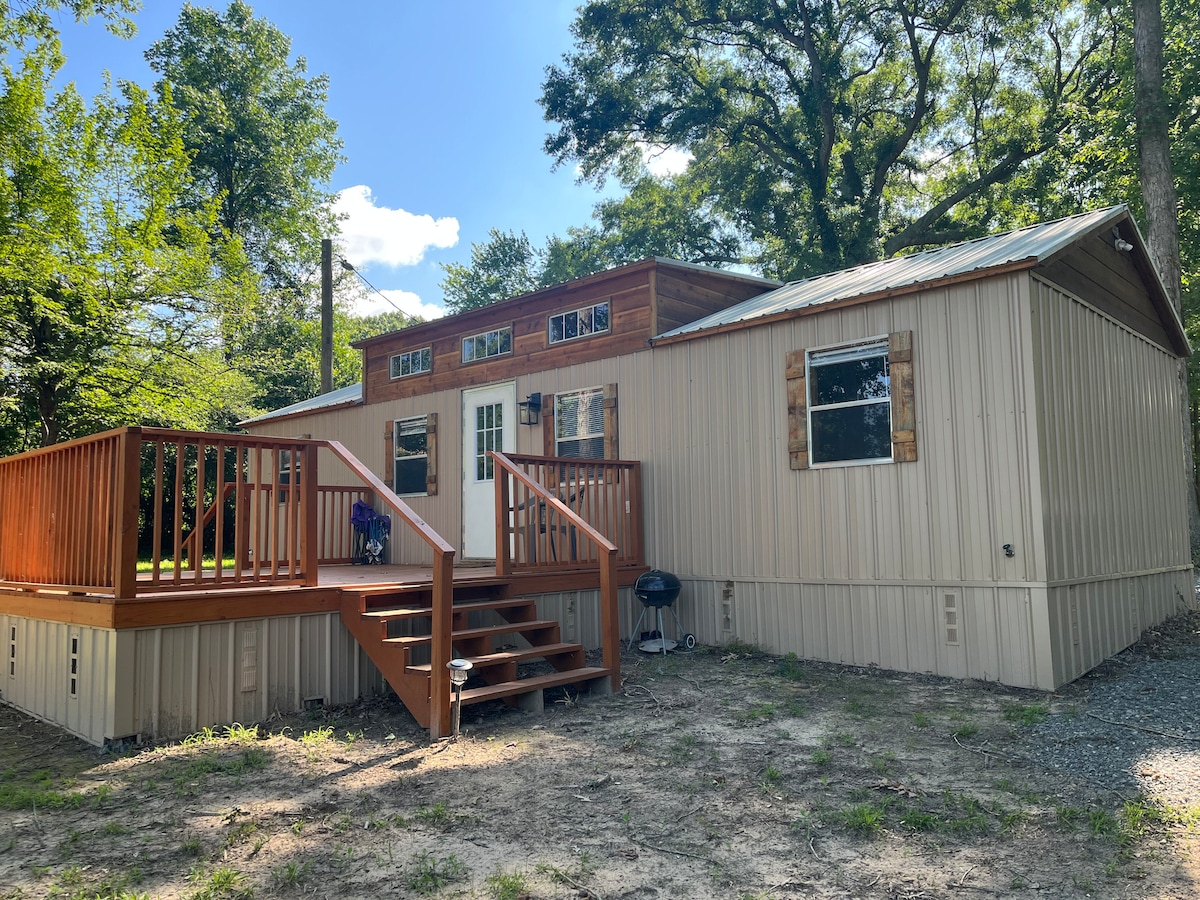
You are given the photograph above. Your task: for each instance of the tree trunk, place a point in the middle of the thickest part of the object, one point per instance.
(1160, 200)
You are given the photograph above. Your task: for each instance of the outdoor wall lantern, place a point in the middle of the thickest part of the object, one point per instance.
(529, 410)
(460, 670)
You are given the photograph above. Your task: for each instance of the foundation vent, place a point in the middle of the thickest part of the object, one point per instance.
(951, 617)
(250, 659)
(74, 657)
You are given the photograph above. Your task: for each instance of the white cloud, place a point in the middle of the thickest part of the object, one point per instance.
(393, 237)
(663, 160)
(369, 303)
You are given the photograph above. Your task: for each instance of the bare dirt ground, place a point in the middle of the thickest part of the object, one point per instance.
(717, 773)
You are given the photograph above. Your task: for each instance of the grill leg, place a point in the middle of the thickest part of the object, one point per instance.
(633, 637)
(662, 635)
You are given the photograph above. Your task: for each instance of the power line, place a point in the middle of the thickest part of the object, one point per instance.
(349, 268)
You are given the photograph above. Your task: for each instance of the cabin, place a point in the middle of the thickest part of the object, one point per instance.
(967, 462)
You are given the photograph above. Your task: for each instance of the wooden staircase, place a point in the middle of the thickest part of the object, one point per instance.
(393, 624)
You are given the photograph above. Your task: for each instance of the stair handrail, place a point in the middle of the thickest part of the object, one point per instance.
(443, 588)
(610, 638)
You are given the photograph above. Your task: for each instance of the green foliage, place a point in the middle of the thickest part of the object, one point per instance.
(105, 282)
(426, 874)
(508, 885)
(504, 266)
(828, 134)
(1025, 714)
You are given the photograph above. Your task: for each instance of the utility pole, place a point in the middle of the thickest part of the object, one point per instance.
(326, 316)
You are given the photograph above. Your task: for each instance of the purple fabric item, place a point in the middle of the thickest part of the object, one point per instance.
(361, 515)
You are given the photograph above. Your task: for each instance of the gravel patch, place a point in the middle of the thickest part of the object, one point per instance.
(1133, 724)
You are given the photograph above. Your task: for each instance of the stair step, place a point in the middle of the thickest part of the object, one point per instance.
(468, 633)
(410, 612)
(503, 656)
(525, 685)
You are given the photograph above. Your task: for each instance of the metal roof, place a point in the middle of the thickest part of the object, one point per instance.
(352, 393)
(1033, 244)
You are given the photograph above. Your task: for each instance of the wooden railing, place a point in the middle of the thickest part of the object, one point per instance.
(240, 508)
(605, 493)
(442, 589)
(62, 512)
(525, 505)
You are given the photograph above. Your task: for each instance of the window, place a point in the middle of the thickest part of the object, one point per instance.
(849, 404)
(579, 424)
(578, 323)
(412, 362)
(488, 344)
(852, 404)
(411, 442)
(489, 435)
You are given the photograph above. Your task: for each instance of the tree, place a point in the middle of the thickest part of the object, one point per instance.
(263, 148)
(829, 134)
(255, 124)
(104, 280)
(503, 266)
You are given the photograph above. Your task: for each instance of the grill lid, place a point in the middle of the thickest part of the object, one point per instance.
(657, 588)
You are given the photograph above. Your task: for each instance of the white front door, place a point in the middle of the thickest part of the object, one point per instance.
(489, 423)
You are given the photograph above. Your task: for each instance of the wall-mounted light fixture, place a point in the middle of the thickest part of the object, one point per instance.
(529, 410)
(1119, 242)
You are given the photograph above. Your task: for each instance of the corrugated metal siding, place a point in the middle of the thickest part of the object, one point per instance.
(1109, 407)
(40, 683)
(1113, 468)
(188, 677)
(722, 501)
(1092, 620)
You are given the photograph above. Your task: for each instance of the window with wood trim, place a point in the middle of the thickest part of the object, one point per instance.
(578, 323)
(412, 446)
(487, 344)
(852, 404)
(581, 424)
(411, 362)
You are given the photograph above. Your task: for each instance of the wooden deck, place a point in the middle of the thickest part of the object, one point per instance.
(207, 603)
(78, 517)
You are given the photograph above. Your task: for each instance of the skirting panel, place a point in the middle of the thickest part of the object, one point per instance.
(1092, 620)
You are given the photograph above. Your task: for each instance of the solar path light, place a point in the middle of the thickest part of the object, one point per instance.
(460, 670)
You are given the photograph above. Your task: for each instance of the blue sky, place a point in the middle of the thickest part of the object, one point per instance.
(437, 105)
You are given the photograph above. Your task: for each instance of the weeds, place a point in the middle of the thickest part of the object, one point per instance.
(1025, 714)
(790, 668)
(221, 884)
(507, 885)
(291, 874)
(426, 874)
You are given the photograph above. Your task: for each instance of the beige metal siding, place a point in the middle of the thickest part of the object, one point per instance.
(1113, 468)
(194, 676)
(40, 682)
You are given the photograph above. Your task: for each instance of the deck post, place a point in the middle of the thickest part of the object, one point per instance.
(610, 625)
(126, 499)
(503, 563)
(440, 645)
(309, 545)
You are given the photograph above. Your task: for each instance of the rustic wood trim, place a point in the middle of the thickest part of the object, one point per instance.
(904, 428)
(611, 427)
(797, 400)
(431, 471)
(547, 424)
(389, 453)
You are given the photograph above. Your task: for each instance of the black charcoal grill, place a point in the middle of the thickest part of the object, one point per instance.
(658, 591)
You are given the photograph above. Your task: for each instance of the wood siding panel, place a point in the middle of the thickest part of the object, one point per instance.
(683, 299)
(1108, 280)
